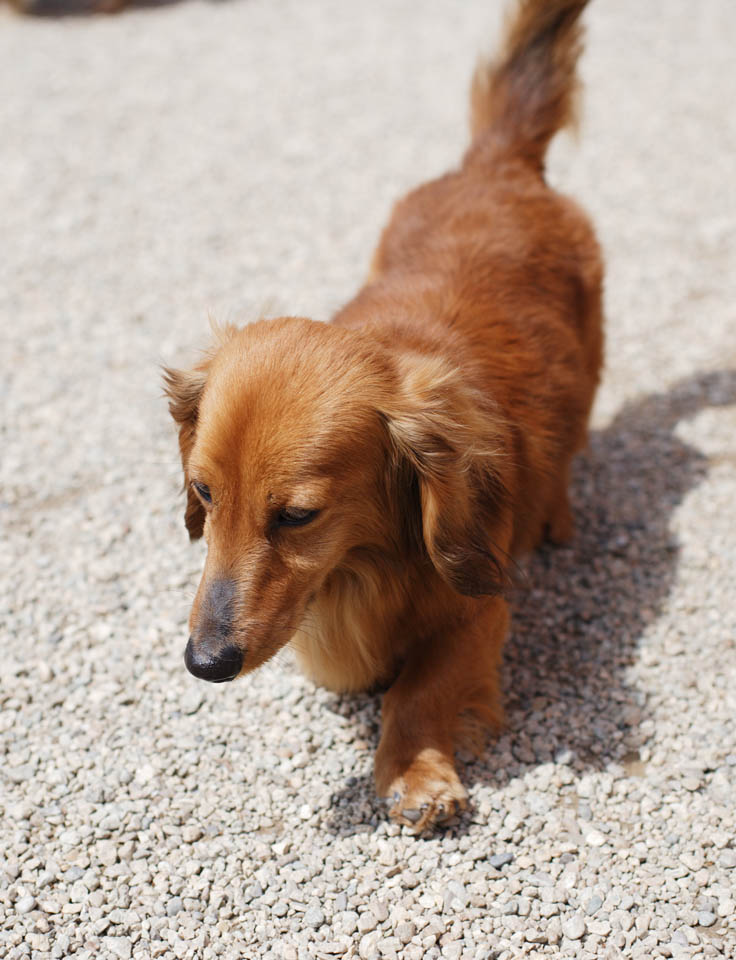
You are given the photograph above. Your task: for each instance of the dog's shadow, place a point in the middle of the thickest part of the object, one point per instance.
(578, 623)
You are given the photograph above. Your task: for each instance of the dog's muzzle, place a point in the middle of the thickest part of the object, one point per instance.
(209, 654)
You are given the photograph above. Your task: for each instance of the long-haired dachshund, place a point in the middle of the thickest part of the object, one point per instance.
(363, 485)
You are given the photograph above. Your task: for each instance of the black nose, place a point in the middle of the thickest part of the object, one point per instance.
(217, 665)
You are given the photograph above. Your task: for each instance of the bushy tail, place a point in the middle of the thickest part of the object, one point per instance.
(521, 99)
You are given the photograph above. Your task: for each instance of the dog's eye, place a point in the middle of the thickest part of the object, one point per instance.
(295, 516)
(203, 491)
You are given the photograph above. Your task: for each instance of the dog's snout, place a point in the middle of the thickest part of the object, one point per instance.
(216, 664)
(210, 655)
(216, 612)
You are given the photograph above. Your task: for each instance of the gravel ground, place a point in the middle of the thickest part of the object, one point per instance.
(236, 158)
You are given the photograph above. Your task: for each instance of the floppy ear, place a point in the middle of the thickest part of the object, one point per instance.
(184, 390)
(455, 442)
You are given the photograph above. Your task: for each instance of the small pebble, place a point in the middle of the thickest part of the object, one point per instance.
(405, 931)
(594, 838)
(120, 947)
(574, 928)
(379, 909)
(367, 921)
(693, 861)
(314, 917)
(499, 860)
(535, 936)
(368, 946)
(594, 904)
(25, 905)
(333, 947)
(174, 906)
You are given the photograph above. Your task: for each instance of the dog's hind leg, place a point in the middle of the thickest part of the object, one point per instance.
(560, 526)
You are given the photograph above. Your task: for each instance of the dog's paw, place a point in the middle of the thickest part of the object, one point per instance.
(425, 794)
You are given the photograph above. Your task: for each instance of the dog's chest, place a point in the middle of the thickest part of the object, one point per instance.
(348, 640)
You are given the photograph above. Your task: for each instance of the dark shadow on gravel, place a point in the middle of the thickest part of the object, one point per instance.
(577, 626)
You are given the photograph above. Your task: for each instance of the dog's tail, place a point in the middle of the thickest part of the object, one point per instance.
(521, 99)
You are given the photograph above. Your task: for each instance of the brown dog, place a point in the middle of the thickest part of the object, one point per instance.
(363, 485)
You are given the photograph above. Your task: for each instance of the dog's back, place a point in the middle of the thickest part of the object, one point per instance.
(502, 273)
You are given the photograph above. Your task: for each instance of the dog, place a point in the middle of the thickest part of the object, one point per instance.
(364, 485)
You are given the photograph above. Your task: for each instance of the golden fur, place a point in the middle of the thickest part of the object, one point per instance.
(363, 485)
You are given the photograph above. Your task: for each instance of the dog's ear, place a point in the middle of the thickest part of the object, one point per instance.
(184, 390)
(454, 442)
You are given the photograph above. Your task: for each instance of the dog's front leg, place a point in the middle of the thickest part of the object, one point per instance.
(447, 685)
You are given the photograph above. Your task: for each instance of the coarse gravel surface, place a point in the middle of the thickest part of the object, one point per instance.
(239, 158)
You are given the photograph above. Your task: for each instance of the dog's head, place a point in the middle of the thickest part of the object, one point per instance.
(302, 443)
